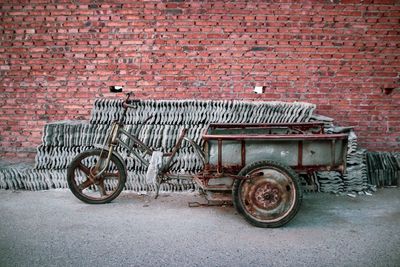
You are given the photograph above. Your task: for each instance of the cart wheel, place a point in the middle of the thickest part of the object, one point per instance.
(95, 190)
(270, 197)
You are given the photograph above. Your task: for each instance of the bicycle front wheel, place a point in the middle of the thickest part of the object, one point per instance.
(91, 188)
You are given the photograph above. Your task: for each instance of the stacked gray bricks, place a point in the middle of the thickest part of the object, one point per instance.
(383, 168)
(64, 140)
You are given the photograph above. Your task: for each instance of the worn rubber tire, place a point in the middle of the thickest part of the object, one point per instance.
(71, 175)
(288, 172)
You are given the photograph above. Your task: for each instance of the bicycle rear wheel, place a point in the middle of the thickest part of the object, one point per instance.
(82, 180)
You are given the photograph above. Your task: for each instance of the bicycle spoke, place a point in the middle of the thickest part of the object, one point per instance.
(101, 188)
(83, 168)
(111, 175)
(85, 185)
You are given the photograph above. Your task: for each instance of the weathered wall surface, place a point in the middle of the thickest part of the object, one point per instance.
(56, 58)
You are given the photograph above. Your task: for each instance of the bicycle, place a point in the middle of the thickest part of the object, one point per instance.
(98, 176)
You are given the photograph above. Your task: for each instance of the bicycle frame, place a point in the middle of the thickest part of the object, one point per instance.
(133, 143)
(117, 131)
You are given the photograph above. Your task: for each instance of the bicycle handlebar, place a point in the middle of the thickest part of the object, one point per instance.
(130, 103)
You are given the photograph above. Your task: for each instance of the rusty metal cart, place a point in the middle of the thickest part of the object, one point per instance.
(258, 163)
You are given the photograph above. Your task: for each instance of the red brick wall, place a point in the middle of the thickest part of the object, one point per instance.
(55, 59)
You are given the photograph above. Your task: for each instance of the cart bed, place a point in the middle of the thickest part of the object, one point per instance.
(303, 146)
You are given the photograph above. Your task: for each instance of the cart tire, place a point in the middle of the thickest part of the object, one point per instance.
(270, 197)
(106, 188)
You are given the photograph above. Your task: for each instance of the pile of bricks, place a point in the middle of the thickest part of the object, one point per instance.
(63, 140)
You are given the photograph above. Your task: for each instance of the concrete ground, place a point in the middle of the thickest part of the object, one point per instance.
(53, 228)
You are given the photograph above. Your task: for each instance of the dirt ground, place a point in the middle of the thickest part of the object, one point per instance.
(53, 228)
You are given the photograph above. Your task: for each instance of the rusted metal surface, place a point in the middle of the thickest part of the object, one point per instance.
(175, 149)
(314, 127)
(308, 137)
(214, 198)
(230, 147)
(269, 195)
(219, 166)
(266, 196)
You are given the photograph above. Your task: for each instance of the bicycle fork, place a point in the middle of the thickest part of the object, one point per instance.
(110, 143)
